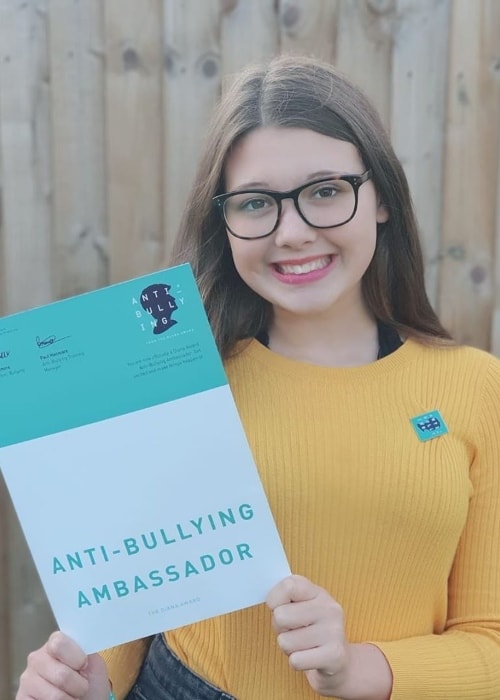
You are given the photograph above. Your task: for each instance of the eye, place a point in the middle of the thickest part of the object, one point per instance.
(254, 204)
(324, 190)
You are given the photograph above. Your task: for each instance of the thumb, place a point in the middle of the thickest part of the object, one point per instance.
(96, 673)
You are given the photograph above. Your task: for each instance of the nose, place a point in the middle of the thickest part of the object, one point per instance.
(292, 230)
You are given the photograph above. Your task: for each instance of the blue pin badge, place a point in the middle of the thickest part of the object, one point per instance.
(429, 425)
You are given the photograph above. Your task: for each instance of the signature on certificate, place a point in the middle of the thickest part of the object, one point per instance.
(49, 340)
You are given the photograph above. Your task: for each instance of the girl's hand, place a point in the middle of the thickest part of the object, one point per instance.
(60, 670)
(310, 628)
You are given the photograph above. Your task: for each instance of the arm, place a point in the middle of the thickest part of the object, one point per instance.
(464, 661)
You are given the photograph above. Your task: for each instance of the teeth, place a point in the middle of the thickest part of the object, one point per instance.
(317, 264)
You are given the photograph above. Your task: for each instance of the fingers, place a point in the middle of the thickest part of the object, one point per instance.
(53, 672)
(312, 635)
(322, 610)
(310, 628)
(323, 660)
(64, 649)
(57, 685)
(296, 602)
(319, 646)
(291, 589)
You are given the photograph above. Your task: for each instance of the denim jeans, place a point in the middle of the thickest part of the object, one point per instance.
(164, 677)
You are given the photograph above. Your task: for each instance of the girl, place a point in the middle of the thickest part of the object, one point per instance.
(377, 439)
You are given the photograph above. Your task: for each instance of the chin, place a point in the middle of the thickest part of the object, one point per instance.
(306, 311)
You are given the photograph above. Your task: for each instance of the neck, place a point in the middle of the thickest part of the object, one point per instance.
(346, 341)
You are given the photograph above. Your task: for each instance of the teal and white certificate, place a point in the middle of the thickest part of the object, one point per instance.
(127, 464)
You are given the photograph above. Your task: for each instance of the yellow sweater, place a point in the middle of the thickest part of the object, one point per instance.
(404, 533)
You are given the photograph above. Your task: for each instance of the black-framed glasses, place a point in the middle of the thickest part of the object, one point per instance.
(324, 203)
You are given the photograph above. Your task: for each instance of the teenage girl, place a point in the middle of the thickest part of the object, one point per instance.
(376, 437)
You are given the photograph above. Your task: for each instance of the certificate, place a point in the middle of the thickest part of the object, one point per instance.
(127, 463)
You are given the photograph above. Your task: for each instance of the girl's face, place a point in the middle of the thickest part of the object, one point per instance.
(300, 269)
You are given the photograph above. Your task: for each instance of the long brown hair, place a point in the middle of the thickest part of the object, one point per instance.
(305, 93)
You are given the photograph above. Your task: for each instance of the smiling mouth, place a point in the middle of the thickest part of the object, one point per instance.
(303, 268)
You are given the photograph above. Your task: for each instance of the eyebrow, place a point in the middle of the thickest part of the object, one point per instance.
(309, 178)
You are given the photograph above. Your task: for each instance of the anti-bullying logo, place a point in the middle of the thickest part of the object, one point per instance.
(157, 301)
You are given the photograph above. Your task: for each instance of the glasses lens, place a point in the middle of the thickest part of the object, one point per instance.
(327, 203)
(250, 214)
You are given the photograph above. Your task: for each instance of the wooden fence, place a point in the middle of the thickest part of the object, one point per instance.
(103, 106)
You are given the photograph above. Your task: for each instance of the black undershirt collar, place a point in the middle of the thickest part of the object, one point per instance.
(388, 339)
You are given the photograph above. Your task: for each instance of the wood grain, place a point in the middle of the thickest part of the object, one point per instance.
(133, 104)
(471, 162)
(103, 110)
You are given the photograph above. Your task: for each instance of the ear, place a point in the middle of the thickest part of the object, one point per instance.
(382, 214)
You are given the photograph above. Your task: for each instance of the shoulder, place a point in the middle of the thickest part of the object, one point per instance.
(239, 356)
(469, 371)
(472, 378)
(461, 358)
(246, 366)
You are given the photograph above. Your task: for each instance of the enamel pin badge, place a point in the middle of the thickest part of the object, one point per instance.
(429, 425)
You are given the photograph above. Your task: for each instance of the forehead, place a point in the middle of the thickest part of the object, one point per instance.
(283, 157)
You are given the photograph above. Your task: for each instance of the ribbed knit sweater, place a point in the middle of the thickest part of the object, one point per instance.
(403, 533)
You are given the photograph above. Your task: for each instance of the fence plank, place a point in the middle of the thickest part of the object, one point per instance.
(309, 27)
(192, 81)
(249, 33)
(79, 238)
(419, 73)
(24, 142)
(364, 47)
(2, 226)
(466, 296)
(26, 251)
(133, 135)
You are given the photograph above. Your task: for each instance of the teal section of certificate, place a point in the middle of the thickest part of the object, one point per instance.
(103, 354)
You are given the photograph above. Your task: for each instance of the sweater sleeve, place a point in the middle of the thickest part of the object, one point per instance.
(464, 661)
(123, 663)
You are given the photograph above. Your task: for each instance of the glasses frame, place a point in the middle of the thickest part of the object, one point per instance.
(354, 180)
